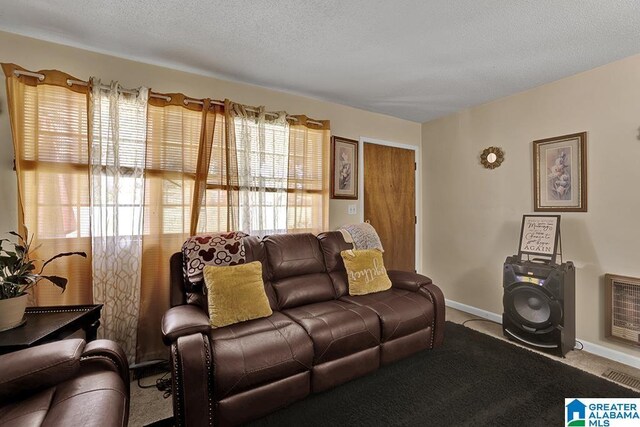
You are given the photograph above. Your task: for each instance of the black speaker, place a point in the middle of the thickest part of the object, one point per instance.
(539, 304)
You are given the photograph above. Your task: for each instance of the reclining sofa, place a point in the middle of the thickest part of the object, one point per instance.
(65, 383)
(317, 337)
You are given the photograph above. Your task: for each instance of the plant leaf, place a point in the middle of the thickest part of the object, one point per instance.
(5, 261)
(9, 261)
(13, 233)
(60, 282)
(64, 254)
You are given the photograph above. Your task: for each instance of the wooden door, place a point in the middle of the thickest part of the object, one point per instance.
(390, 202)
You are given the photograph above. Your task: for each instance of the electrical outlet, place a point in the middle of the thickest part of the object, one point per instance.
(351, 210)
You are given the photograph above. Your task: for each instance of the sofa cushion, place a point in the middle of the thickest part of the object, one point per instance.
(300, 290)
(297, 269)
(255, 251)
(235, 293)
(365, 270)
(257, 352)
(96, 397)
(332, 243)
(401, 312)
(337, 328)
(294, 255)
(40, 367)
(30, 411)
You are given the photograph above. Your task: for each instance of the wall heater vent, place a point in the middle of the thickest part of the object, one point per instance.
(623, 308)
(623, 378)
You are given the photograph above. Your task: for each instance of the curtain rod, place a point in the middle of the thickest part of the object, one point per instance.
(71, 82)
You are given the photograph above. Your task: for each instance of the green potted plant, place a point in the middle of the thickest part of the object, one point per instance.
(18, 275)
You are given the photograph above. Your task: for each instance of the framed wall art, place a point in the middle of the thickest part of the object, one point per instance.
(560, 173)
(344, 168)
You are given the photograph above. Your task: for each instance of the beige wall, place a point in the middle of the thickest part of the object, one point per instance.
(472, 215)
(34, 55)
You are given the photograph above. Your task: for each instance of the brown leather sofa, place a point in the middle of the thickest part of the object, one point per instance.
(317, 338)
(65, 383)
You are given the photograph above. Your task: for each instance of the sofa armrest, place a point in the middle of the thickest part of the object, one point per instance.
(39, 367)
(407, 280)
(109, 352)
(433, 293)
(184, 320)
(192, 380)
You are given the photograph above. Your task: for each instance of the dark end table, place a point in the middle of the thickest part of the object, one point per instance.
(46, 324)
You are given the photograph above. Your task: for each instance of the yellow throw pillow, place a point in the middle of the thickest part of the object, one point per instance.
(235, 293)
(365, 271)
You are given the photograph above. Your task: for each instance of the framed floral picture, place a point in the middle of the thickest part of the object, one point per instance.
(344, 168)
(560, 173)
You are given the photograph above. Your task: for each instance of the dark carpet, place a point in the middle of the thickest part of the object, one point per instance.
(473, 379)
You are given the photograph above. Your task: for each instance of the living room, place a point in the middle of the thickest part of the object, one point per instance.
(444, 82)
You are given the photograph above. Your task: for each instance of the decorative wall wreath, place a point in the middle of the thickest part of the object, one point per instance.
(492, 157)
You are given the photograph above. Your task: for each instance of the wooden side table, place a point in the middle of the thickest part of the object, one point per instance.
(46, 324)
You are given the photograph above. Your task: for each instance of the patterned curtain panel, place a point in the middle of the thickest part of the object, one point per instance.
(261, 144)
(117, 137)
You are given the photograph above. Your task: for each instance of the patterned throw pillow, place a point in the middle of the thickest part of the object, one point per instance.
(365, 271)
(219, 249)
(235, 293)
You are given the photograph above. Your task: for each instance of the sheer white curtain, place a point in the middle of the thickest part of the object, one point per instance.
(262, 147)
(117, 139)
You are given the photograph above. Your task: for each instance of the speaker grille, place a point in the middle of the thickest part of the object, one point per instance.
(532, 305)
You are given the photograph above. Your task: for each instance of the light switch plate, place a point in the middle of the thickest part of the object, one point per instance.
(351, 210)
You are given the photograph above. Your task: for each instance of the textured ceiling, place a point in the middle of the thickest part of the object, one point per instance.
(417, 59)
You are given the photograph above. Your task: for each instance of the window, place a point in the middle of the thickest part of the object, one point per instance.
(53, 162)
(262, 156)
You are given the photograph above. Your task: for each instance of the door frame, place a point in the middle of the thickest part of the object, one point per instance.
(418, 193)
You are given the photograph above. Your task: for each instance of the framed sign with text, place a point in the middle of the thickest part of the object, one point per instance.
(540, 235)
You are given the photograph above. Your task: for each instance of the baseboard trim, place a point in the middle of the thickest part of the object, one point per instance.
(474, 310)
(597, 349)
(611, 354)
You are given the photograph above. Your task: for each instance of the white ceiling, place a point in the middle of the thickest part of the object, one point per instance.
(414, 59)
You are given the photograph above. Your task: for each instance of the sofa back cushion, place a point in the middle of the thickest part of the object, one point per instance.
(331, 244)
(297, 268)
(255, 250)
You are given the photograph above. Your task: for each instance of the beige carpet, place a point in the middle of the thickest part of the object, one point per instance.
(588, 362)
(148, 405)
